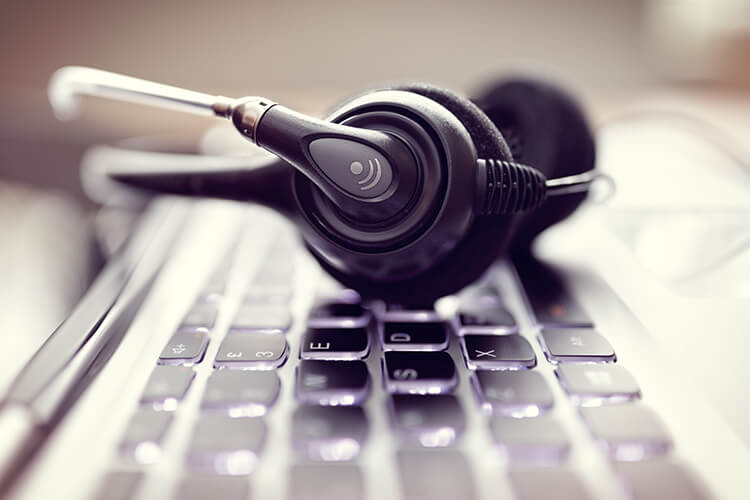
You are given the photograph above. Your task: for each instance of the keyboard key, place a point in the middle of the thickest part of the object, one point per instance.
(629, 431)
(435, 475)
(184, 348)
(415, 336)
(513, 393)
(226, 445)
(201, 317)
(330, 314)
(593, 384)
(540, 439)
(119, 485)
(486, 319)
(203, 486)
(332, 383)
(498, 352)
(576, 344)
(166, 386)
(326, 482)
(542, 483)
(329, 433)
(255, 351)
(657, 480)
(261, 319)
(419, 372)
(241, 393)
(144, 435)
(335, 343)
(550, 300)
(432, 421)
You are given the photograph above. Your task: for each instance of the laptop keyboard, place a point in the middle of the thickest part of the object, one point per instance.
(356, 362)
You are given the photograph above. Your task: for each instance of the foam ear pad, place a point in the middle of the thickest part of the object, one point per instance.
(546, 129)
(487, 238)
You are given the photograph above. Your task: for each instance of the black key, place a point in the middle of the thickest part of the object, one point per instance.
(330, 314)
(261, 319)
(144, 435)
(576, 344)
(552, 303)
(431, 421)
(542, 483)
(201, 317)
(513, 393)
(226, 445)
(326, 482)
(256, 351)
(419, 372)
(592, 384)
(166, 386)
(335, 343)
(539, 439)
(241, 393)
(498, 352)
(203, 486)
(184, 348)
(329, 433)
(415, 336)
(658, 480)
(435, 475)
(119, 485)
(486, 319)
(629, 431)
(332, 383)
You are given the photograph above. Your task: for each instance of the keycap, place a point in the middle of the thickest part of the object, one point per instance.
(205, 486)
(435, 474)
(661, 479)
(628, 431)
(226, 445)
(550, 300)
(591, 384)
(485, 319)
(419, 372)
(201, 317)
(166, 386)
(498, 352)
(144, 435)
(333, 314)
(576, 344)
(329, 433)
(335, 481)
(261, 319)
(119, 485)
(542, 483)
(276, 295)
(431, 421)
(241, 393)
(332, 382)
(256, 351)
(335, 343)
(513, 393)
(415, 336)
(184, 348)
(539, 439)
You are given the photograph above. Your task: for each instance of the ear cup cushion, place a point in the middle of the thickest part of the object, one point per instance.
(487, 238)
(546, 129)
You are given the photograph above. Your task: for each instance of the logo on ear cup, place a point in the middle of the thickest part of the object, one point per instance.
(373, 174)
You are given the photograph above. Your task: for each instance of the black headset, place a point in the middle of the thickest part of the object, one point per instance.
(407, 193)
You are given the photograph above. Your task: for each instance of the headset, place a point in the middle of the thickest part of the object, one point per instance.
(406, 194)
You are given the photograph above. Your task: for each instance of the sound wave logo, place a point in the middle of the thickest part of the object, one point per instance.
(373, 175)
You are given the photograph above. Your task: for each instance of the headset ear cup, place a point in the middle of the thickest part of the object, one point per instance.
(545, 128)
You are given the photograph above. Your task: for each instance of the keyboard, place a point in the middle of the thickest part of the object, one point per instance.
(276, 382)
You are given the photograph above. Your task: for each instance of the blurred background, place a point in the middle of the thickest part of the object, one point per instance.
(614, 54)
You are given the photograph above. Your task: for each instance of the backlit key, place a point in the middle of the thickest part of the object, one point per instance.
(166, 386)
(540, 439)
(335, 343)
(184, 348)
(226, 445)
(329, 433)
(332, 382)
(254, 351)
(431, 421)
(415, 336)
(576, 344)
(498, 352)
(593, 384)
(419, 372)
(513, 393)
(237, 393)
